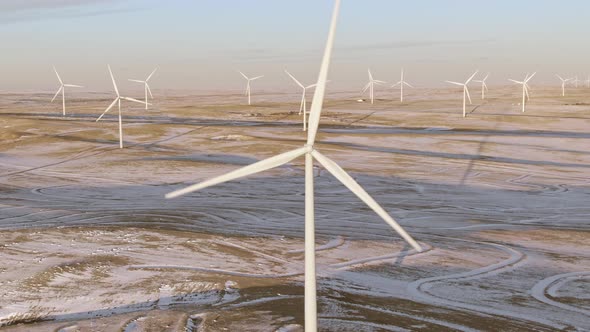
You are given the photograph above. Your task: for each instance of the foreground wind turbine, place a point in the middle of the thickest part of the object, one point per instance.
(146, 87)
(484, 86)
(248, 85)
(118, 100)
(465, 89)
(401, 84)
(62, 89)
(525, 88)
(303, 106)
(563, 82)
(310, 153)
(371, 85)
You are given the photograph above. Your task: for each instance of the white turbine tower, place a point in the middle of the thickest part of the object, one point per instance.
(588, 82)
(62, 89)
(118, 100)
(146, 87)
(303, 105)
(484, 86)
(563, 82)
(401, 84)
(465, 90)
(247, 93)
(310, 153)
(525, 88)
(371, 85)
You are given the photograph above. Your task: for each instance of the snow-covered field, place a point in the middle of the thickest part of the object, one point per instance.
(500, 200)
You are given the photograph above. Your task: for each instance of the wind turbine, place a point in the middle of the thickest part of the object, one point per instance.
(118, 101)
(588, 82)
(576, 81)
(401, 84)
(62, 89)
(248, 85)
(465, 89)
(310, 154)
(484, 86)
(525, 88)
(303, 106)
(146, 87)
(371, 85)
(563, 82)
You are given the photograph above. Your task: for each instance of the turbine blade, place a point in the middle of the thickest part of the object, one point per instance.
(59, 78)
(456, 83)
(294, 79)
(472, 76)
(137, 81)
(152, 74)
(149, 90)
(257, 77)
(258, 167)
(135, 100)
(246, 77)
(468, 96)
(379, 82)
(366, 86)
(485, 78)
(517, 82)
(370, 75)
(73, 86)
(560, 78)
(113, 79)
(57, 93)
(108, 109)
(353, 186)
(408, 84)
(530, 77)
(318, 96)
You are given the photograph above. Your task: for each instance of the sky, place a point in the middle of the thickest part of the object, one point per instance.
(200, 44)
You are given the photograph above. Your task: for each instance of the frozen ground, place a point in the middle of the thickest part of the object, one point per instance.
(500, 199)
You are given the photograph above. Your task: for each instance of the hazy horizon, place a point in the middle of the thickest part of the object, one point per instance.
(200, 45)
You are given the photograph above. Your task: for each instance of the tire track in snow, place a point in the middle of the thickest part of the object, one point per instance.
(419, 289)
(551, 285)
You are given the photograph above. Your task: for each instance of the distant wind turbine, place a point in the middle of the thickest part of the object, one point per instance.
(247, 93)
(310, 152)
(62, 89)
(525, 88)
(484, 86)
(118, 100)
(146, 87)
(401, 84)
(563, 82)
(371, 85)
(588, 82)
(303, 105)
(465, 90)
(576, 81)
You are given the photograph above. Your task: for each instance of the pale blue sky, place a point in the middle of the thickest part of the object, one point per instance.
(198, 44)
